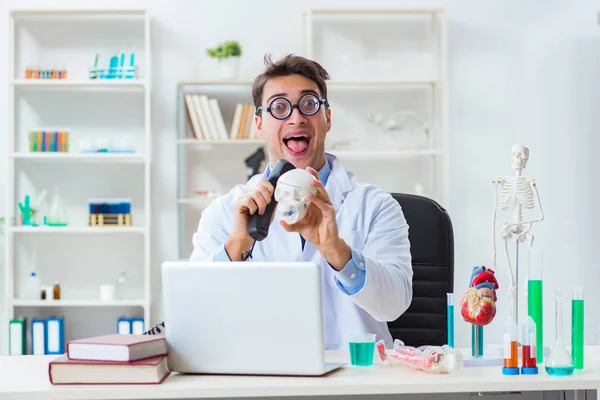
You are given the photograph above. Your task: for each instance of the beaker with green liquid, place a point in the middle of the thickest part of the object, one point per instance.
(560, 362)
(535, 301)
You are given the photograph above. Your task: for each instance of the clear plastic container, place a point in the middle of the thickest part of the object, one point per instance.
(511, 348)
(33, 287)
(528, 347)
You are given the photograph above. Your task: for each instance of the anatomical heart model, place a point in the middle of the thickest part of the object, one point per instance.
(478, 305)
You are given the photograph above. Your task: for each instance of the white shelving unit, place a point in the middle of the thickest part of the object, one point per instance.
(387, 66)
(80, 257)
(214, 165)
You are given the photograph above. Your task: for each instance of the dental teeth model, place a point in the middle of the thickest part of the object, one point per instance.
(291, 194)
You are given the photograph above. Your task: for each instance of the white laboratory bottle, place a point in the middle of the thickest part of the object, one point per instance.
(33, 287)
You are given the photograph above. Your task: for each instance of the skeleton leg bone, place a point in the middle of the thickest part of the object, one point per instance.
(512, 286)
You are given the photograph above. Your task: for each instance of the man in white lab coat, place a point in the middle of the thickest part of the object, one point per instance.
(356, 232)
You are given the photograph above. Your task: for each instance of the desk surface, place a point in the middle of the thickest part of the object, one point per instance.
(27, 377)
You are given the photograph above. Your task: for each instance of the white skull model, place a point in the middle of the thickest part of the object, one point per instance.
(291, 194)
(520, 155)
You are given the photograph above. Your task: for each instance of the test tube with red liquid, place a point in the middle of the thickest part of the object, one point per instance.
(511, 348)
(528, 343)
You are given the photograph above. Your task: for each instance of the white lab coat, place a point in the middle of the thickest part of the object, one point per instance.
(369, 220)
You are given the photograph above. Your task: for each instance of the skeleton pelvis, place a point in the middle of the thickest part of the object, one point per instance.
(477, 309)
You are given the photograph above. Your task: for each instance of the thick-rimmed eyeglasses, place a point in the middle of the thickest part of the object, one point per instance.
(281, 108)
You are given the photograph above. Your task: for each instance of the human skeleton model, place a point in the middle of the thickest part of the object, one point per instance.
(517, 194)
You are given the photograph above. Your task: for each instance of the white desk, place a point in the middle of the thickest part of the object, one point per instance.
(27, 377)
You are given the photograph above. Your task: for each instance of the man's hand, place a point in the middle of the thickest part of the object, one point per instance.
(252, 202)
(319, 226)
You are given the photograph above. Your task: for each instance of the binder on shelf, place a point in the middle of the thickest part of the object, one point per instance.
(38, 336)
(16, 337)
(137, 326)
(124, 326)
(55, 336)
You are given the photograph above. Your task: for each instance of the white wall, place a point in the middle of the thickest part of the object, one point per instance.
(519, 72)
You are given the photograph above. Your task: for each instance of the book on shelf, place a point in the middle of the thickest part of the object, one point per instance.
(64, 371)
(116, 347)
(206, 121)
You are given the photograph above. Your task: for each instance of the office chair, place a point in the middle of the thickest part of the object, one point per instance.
(432, 249)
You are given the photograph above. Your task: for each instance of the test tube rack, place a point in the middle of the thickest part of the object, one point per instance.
(116, 69)
(45, 73)
(49, 140)
(111, 212)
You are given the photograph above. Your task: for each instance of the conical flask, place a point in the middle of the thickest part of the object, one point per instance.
(559, 362)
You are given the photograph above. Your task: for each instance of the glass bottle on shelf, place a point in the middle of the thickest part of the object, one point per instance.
(559, 362)
(122, 285)
(56, 291)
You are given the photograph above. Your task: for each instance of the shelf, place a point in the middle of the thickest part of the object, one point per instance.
(78, 303)
(77, 230)
(221, 142)
(84, 157)
(196, 200)
(375, 11)
(81, 83)
(75, 12)
(215, 83)
(383, 155)
(383, 85)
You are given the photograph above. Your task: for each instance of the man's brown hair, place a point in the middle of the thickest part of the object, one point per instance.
(289, 65)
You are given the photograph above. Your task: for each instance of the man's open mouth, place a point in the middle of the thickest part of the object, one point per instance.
(297, 144)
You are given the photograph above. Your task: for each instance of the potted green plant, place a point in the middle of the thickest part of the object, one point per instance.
(228, 54)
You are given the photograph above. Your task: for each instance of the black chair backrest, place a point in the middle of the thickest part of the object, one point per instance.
(432, 249)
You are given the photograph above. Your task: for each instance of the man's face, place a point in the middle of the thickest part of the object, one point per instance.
(298, 139)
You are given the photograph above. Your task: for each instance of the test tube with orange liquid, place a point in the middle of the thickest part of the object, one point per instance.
(528, 343)
(511, 348)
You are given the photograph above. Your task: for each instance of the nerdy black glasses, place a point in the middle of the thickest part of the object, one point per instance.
(281, 108)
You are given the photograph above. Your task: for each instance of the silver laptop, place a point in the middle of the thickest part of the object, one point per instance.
(259, 318)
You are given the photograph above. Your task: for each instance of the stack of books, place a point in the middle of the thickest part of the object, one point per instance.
(112, 359)
(206, 120)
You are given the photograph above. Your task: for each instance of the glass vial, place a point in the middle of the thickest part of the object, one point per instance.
(450, 317)
(56, 291)
(528, 347)
(577, 327)
(559, 361)
(511, 348)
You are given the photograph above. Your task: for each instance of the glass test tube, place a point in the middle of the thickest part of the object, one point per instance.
(450, 316)
(577, 327)
(535, 302)
(511, 348)
(528, 346)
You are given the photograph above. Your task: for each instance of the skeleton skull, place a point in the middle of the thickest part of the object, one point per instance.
(520, 155)
(291, 194)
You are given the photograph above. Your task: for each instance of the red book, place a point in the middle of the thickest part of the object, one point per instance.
(63, 371)
(117, 347)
